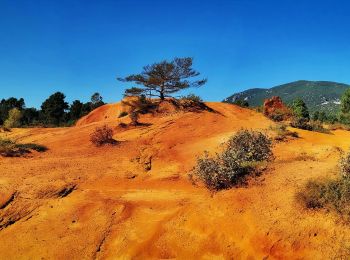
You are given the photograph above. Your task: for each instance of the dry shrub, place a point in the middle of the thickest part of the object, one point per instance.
(330, 194)
(305, 124)
(240, 158)
(10, 148)
(344, 164)
(102, 135)
(338, 126)
(191, 98)
(282, 133)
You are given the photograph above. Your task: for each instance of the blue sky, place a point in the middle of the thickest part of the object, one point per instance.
(81, 46)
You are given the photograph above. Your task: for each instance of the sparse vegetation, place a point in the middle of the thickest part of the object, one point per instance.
(303, 123)
(10, 148)
(241, 103)
(282, 133)
(191, 98)
(330, 194)
(344, 164)
(102, 136)
(240, 158)
(164, 78)
(14, 118)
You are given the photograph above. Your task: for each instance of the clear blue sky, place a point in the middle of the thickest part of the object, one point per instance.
(81, 46)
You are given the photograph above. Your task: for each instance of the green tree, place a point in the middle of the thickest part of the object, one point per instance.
(316, 116)
(241, 103)
(165, 78)
(96, 100)
(345, 102)
(7, 104)
(344, 115)
(300, 109)
(53, 108)
(30, 116)
(76, 110)
(14, 118)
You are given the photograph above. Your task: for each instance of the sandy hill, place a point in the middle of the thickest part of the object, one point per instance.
(77, 201)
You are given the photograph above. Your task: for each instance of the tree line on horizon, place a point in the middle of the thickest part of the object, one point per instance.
(161, 79)
(54, 111)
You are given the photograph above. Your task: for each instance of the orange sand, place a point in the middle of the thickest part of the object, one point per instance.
(80, 202)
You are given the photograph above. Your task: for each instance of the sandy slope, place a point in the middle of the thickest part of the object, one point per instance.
(80, 202)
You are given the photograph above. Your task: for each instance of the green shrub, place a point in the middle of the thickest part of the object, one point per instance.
(300, 109)
(14, 119)
(10, 148)
(241, 103)
(250, 146)
(305, 124)
(300, 123)
(317, 126)
(191, 97)
(32, 146)
(102, 135)
(328, 194)
(238, 160)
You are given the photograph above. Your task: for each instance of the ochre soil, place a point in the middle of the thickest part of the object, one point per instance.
(76, 201)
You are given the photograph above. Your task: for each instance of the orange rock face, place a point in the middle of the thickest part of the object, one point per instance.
(135, 200)
(274, 106)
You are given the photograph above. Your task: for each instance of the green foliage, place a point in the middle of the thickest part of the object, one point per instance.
(7, 104)
(96, 101)
(300, 123)
(10, 148)
(192, 97)
(53, 108)
(329, 194)
(323, 117)
(14, 118)
(102, 136)
(300, 109)
(238, 160)
(134, 92)
(345, 102)
(317, 126)
(250, 146)
(76, 110)
(303, 123)
(241, 103)
(30, 116)
(165, 78)
(318, 95)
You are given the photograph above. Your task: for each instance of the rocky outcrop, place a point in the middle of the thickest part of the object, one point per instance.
(275, 109)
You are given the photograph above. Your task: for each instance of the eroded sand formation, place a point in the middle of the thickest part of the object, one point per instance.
(77, 201)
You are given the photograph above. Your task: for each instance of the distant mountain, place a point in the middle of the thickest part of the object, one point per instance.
(318, 95)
